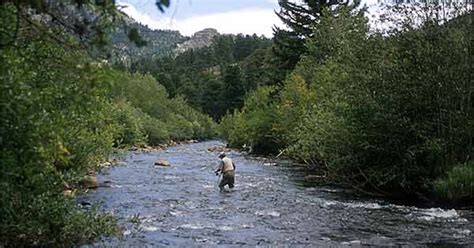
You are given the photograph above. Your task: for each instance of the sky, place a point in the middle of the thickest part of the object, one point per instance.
(190, 16)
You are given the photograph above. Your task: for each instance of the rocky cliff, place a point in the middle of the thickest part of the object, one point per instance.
(158, 42)
(200, 39)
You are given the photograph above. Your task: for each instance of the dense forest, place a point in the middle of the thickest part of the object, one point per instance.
(216, 78)
(386, 113)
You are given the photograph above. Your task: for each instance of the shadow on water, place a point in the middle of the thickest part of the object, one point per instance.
(270, 206)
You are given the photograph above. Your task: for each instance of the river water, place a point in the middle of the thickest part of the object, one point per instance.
(270, 206)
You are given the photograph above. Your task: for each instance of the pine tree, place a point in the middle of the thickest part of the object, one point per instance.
(234, 92)
(298, 18)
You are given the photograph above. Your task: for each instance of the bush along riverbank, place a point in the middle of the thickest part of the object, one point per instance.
(62, 113)
(385, 114)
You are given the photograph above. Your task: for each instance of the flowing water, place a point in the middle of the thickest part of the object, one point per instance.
(270, 206)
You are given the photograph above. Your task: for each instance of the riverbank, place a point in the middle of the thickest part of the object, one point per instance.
(317, 174)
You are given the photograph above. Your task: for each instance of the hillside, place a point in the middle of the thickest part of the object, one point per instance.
(212, 72)
(159, 43)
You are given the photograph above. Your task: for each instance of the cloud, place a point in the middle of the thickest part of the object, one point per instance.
(246, 21)
(259, 20)
(154, 23)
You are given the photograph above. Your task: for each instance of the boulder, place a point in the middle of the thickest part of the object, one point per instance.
(90, 182)
(218, 149)
(105, 164)
(147, 149)
(69, 193)
(162, 162)
(121, 163)
(172, 143)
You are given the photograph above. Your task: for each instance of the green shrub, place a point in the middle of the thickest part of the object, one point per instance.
(131, 122)
(385, 114)
(49, 219)
(200, 126)
(458, 184)
(56, 125)
(156, 131)
(253, 125)
(62, 113)
(163, 118)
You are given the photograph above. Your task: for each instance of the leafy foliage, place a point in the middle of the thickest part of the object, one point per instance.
(55, 126)
(457, 184)
(86, 20)
(253, 126)
(62, 113)
(299, 18)
(382, 114)
(151, 113)
(214, 79)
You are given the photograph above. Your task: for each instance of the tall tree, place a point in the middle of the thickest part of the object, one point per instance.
(298, 18)
(234, 92)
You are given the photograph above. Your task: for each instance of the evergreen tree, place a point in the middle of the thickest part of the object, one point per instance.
(212, 100)
(215, 78)
(233, 94)
(222, 48)
(289, 44)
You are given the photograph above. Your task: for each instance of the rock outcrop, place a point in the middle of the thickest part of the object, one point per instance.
(90, 182)
(200, 39)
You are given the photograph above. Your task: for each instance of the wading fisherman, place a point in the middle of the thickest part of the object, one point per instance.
(227, 168)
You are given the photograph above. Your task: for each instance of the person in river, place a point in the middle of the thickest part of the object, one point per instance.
(227, 168)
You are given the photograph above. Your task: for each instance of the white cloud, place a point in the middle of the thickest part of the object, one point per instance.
(246, 21)
(155, 23)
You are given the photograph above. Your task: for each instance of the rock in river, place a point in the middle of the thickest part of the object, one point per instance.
(162, 162)
(218, 149)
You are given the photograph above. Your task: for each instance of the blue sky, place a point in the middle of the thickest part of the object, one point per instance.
(190, 16)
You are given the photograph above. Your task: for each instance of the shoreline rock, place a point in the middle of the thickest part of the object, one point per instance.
(90, 182)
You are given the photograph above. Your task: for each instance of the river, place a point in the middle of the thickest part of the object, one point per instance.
(271, 205)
